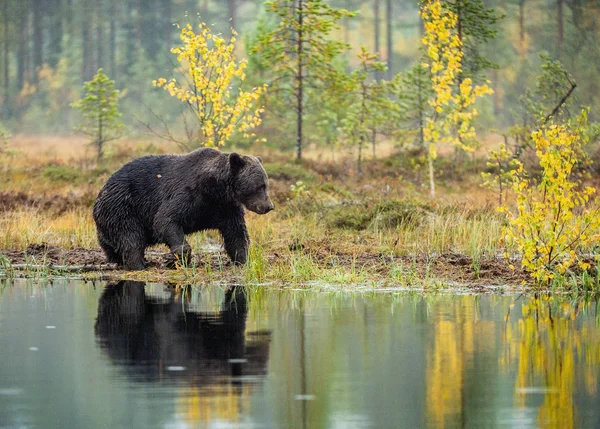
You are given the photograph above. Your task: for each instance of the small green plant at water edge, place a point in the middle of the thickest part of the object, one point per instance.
(256, 266)
(556, 221)
(100, 109)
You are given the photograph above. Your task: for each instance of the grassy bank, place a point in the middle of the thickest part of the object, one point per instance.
(333, 227)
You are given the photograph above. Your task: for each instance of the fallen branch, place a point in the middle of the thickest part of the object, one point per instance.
(61, 268)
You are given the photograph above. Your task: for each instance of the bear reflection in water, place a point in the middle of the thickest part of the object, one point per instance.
(150, 337)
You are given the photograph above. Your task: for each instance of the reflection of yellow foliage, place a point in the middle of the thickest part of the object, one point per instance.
(212, 403)
(551, 347)
(445, 374)
(551, 344)
(453, 345)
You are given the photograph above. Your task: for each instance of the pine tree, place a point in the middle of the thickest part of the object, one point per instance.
(300, 51)
(100, 110)
(413, 91)
(370, 107)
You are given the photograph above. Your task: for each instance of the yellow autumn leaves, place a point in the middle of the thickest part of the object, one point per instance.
(554, 225)
(454, 99)
(211, 88)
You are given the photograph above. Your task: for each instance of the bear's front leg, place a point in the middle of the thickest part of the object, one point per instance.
(236, 240)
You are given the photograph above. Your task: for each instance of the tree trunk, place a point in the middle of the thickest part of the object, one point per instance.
(204, 11)
(421, 115)
(459, 30)
(359, 160)
(112, 45)
(23, 48)
(460, 76)
(87, 70)
(421, 29)
(131, 47)
(138, 7)
(99, 5)
(231, 9)
(100, 139)
(390, 40)
(431, 179)
(377, 50)
(496, 95)
(100, 136)
(56, 33)
(38, 38)
(374, 142)
(191, 8)
(7, 103)
(522, 27)
(168, 23)
(300, 80)
(69, 17)
(561, 35)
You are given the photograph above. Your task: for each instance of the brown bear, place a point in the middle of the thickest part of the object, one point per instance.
(161, 198)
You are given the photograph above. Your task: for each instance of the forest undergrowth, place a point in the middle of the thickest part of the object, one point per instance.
(330, 224)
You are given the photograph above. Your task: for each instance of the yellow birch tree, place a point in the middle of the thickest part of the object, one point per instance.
(453, 105)
(210, 87)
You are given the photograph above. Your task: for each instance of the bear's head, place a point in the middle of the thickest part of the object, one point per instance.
(250, 182)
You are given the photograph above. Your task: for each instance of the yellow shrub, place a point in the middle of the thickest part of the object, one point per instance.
(210, 86)
(557, 221)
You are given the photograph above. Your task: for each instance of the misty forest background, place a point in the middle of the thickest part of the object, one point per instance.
(51, 47)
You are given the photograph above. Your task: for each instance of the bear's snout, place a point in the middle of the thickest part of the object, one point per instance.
(260, 208)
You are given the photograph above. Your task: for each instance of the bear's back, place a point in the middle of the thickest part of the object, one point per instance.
(144, 183)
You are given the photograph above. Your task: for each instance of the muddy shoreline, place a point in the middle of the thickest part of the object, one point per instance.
(447, 268)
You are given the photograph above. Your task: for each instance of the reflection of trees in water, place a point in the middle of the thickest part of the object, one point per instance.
(146, 335)
(546, 342)
(441, 361)
(553, 339)
(452, 344)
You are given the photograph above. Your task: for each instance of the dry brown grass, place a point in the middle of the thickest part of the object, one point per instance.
(71, 225)
(290, 243)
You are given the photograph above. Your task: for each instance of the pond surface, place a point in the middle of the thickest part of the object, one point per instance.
(135, 355)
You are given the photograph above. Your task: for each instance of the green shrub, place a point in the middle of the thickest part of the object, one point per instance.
(356, 217)
(385, 214)
(289, 172)
(61, 173)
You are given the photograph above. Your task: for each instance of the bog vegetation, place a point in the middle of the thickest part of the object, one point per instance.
(510, 194)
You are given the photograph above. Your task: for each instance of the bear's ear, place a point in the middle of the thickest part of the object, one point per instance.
(259, 159)
(236, 162)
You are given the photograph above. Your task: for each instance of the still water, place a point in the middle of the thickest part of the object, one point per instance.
(136, 355)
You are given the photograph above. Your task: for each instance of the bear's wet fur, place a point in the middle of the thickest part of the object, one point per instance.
(161, 198)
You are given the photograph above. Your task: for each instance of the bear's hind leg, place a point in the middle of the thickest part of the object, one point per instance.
(133, 258)
(111, 255)
(172, 235)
